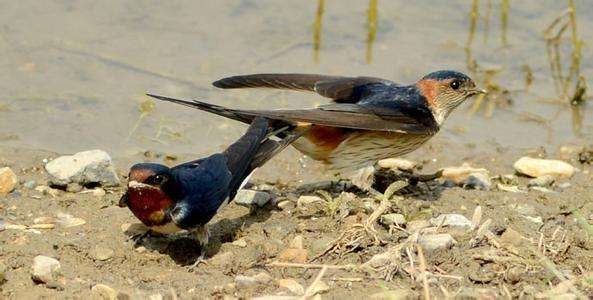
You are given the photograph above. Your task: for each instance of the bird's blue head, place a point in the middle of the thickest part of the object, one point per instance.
(444, 90)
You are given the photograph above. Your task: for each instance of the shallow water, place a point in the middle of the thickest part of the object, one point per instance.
(73, 73)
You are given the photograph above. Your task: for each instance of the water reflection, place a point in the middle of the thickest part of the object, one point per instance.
(317, 30)
(371, 28)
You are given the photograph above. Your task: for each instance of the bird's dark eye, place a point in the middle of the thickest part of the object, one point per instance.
(155, 179)
(455, 84)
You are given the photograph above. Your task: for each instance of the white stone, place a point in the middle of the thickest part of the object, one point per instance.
(536, 167)
(250, 197)
(397, 164)
(431, 242)
(85, 167)
(248, 281)
(8, 180)
(103, 292)
(307, 200)
(466, 175)
(45, 269)
(452, 220)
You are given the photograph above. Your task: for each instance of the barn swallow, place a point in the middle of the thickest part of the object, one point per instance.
(187, 196)
(368, 120)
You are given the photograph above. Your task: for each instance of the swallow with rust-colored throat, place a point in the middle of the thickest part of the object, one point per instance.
(188, 196)
(368, 120)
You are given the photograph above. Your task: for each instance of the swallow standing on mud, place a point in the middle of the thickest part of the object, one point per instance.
(370, 118)
(187, 196)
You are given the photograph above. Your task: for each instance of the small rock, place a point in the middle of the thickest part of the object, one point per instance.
(514, 274)
(536, 167)
(3, 270)
(363, 178)
(133, 229)
(103, 292)
(286, 205)
(393, 219)
(67, 220)
(431, 242)
(297, 242)
(525, 209)
(249, 281)
(250, 198)
(509, 188)
(293, 255)
(451, 220)
(307, 200)
(240, 243)
(83, 168)
(30, 184)
(417, 225)
(512, 237)
(397, 164)
(43, 220)
(542, 181)
(8, 180)
(46, 190)
(291, 285)
(467, 176)
(45, 269)
(98, 192)
(102, 253)
(509, 179)
(73, 187)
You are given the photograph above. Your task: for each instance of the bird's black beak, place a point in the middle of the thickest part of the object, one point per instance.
(123, 201)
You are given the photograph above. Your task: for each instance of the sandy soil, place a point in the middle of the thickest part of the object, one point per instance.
(519, 258)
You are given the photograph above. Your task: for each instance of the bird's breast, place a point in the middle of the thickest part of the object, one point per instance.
(149, 205)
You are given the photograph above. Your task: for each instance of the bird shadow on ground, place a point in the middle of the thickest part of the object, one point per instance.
(185, 250)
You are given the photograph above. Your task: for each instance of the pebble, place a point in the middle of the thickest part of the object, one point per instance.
(393, 219)
(250, 198)
(133, 229)
(417, 225)
(286, 205)
(102, 253)
(536, 167)
(73, 187)
(431, 242)
(250, 281)
(467, 176)
(98, 192)
(542, 181)
(240, 243)
(452, 220)
(297, 242)
(3, 270)
(83, 168)
(30, 184)
(509, 188)
(397, 164)
(43, 220)
(103, 292)
(45, 269)
(307, 200)
(8, 180)
(514, 274)
(46, 190)
(363, 178)
(293, 255)
(291, 285)
(67, 220)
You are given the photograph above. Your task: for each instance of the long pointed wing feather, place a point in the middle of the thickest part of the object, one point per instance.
(338, 115)
(341, 89)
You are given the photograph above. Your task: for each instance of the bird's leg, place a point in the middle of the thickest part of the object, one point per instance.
(201, 234)
(139, 238)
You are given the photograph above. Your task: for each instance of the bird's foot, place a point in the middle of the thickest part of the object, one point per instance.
(200, 260)
(138, 239)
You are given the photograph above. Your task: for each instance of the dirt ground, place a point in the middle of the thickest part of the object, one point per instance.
(535, 245)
